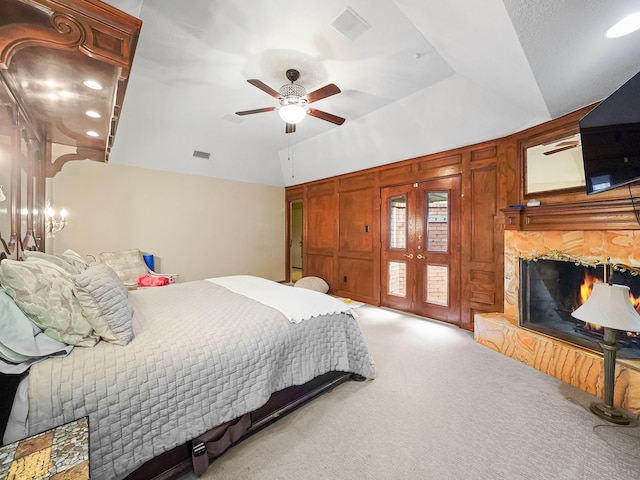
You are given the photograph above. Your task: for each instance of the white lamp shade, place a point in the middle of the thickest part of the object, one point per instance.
(292, 113)
(609, 306)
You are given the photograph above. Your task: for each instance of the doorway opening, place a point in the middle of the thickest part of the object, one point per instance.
(295, 240)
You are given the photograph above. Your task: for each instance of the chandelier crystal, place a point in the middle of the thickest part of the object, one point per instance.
(54, 222)
(292, 103)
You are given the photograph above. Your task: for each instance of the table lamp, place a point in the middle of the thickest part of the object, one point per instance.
(610, 307)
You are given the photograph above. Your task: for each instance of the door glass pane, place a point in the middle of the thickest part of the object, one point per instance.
(398, 222)
(437, 221)
(437, 284)
(397, 279)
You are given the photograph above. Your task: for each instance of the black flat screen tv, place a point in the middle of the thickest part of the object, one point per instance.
(610, 138)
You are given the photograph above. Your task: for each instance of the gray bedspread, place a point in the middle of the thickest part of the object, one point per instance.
(201, 356)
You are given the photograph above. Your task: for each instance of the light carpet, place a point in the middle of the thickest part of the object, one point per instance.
(441, 407)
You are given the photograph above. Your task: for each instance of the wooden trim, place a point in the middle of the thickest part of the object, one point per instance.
(595, 215)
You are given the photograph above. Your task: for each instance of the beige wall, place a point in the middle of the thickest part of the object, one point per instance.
(198, 227)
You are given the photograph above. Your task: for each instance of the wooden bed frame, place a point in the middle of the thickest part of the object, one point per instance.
(220, 438)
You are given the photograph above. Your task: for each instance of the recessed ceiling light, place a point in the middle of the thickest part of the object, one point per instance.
(91, 133)
(627, 25)
(92, 84)
(92, 114)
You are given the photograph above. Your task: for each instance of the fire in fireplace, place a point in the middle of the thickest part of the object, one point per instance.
(552, 288)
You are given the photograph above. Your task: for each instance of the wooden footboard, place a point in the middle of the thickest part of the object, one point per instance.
(183, 458)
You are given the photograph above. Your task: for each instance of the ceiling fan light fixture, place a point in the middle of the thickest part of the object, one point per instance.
(292, 113)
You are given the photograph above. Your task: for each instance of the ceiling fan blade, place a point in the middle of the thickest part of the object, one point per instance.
(323, 92)
(264, 87)
(257, 110)
(561, 149)
(290, 128)
(326, 116)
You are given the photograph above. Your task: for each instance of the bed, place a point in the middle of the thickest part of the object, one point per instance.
(210, 362)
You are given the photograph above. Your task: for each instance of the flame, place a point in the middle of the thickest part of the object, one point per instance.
(587, 286)
(585, 291)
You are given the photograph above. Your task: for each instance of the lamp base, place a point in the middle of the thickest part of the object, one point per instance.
(610, 414)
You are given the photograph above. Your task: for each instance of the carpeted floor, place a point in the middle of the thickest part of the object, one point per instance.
(441, 407)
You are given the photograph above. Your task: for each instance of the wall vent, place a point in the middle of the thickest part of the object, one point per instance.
(199, 154)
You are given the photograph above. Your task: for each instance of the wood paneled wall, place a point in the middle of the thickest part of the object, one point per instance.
(342, 216)
(342, 225)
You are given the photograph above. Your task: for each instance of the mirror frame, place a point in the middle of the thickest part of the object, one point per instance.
(557, 134)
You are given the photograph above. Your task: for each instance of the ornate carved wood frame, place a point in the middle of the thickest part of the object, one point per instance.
(74, 40)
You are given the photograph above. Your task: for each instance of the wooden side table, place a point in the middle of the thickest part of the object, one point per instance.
(61, 453)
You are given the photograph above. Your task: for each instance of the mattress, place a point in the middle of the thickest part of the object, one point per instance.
(202, 355)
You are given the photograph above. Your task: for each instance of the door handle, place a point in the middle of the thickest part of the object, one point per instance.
(420, 257)
(408, 255)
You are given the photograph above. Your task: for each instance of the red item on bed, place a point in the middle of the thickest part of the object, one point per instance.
(153, 281)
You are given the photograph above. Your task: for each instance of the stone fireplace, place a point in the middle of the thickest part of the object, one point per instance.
(578, 365)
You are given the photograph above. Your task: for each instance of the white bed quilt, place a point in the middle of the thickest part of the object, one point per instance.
(202, 355)
(295, 304)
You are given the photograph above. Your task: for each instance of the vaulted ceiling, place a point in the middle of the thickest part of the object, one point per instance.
(417, 77)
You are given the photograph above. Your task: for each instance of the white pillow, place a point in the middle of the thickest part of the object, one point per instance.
(104, 301)
(313, 283)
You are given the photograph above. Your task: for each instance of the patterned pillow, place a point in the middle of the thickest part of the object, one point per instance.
(71, 269)
(74, 259)
(128, 264)
(313, 283)
(103, 298)
(44, 292)
(22, 343)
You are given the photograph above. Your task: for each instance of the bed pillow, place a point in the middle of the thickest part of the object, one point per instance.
(104, 301)
(74, 259)
(44, 292)
(22, 343)
(313, 283)
(30, 256)
(128, 264)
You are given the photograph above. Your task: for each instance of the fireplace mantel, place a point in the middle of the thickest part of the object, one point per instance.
(597, 215)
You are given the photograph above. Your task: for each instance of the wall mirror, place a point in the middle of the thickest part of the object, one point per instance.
(552, 164)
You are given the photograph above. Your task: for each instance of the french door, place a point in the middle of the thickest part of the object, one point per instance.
(421, 248)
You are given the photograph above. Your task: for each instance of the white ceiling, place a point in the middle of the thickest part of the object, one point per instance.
(427, 76)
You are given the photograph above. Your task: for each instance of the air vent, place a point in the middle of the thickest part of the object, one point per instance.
(350, 24)
(199, 154)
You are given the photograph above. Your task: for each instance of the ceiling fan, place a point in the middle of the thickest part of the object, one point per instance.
(565, 145)
(293, 99)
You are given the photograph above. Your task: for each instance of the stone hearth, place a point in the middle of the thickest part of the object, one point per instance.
(570, 363)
